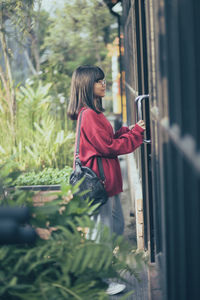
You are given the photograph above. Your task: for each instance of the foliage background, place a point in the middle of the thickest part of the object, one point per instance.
(40, 50)
(65, 263)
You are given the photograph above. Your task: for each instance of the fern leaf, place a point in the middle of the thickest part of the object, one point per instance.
(68, 291)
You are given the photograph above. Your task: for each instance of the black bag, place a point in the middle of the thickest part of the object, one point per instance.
(91, 181)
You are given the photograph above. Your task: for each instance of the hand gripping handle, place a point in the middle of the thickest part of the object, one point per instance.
(138, 102)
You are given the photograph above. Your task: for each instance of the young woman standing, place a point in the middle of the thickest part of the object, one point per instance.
(97, 139)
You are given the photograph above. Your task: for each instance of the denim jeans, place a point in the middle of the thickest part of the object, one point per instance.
(110, 215)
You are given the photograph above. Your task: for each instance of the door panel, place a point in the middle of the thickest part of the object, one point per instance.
(136, 66)
(146, 148)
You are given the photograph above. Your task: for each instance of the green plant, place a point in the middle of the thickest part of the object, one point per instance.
(40, 139)
(47, 176)
(68, 265)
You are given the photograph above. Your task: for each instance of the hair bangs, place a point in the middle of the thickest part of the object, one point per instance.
(98, 74)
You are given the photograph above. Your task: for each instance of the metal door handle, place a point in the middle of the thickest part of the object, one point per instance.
(138, 102)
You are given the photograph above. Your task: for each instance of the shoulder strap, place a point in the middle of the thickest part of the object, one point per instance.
(99, 160)
(78, 135)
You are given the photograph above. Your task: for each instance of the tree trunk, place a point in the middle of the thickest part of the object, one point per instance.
(33, 70)
(35, 52)
(95, 41)
(7, 92)
(34, 39)
(7, 79)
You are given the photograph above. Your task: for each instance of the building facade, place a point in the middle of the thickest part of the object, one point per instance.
(162, 76)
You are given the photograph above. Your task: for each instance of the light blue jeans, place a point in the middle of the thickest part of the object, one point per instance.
(110, 215)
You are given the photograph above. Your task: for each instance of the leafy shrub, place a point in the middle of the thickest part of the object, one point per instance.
(46, 177)
(41, 138)
(68, 264)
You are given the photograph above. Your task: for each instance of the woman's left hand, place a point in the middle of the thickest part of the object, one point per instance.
(140, 123)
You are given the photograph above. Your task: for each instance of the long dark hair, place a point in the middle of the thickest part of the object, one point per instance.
(82, 86)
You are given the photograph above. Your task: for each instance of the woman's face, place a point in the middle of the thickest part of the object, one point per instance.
(100, 88)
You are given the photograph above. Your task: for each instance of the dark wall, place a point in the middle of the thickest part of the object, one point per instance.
(172, 188)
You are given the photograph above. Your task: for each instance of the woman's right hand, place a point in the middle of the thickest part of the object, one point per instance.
(141, 124)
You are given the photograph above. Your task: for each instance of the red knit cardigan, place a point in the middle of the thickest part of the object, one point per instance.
(98, 139)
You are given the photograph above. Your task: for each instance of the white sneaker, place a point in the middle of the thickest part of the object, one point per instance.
(115, 288)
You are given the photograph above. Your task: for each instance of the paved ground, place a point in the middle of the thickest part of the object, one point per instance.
(140, 288)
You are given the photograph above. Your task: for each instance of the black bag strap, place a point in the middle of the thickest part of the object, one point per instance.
(99, 160)
(78, 135)
(100, 167)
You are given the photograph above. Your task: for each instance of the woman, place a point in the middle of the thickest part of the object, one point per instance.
(97, 138)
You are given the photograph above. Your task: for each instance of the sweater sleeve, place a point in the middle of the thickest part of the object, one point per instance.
(121, 131)
(103, 140)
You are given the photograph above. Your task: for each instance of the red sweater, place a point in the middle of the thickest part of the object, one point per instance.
(98, 139)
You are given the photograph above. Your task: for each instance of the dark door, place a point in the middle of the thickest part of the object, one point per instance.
(136, 67)
(143, 91)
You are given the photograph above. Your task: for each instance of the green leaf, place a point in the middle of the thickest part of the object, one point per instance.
(70, 292)
(13, 282)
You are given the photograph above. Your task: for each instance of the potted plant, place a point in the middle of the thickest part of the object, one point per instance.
(43, 183)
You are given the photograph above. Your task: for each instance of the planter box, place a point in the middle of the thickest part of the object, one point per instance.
(52, 187)
(43, 192)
